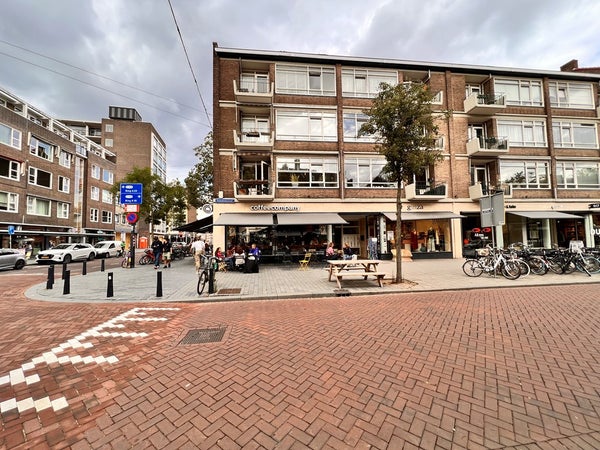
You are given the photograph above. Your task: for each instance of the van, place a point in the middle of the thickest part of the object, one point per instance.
(107, 249)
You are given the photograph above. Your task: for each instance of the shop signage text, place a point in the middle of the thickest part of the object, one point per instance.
(594, 205)
(274, 208)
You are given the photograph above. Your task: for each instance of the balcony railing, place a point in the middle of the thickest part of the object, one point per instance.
(253, 190)
(255, 91)
(254, 140)
(490, 146)
(478, 190)
(425, 191)
(484, 104)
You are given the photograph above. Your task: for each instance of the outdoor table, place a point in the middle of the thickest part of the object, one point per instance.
(366, 265)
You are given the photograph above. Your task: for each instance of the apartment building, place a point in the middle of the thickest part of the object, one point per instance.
(136, 144)
(54, 183)
(291, 171)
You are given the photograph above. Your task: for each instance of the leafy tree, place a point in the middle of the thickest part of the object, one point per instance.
(199, 182)
(175, 204)
(403, 122)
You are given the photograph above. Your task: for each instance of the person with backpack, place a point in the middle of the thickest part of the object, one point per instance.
(157, 249)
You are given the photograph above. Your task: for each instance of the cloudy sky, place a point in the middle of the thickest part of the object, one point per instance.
(74, 58)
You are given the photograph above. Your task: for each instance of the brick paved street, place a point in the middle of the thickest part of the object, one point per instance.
(483, 368)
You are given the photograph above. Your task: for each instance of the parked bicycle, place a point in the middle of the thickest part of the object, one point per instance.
(147, 257)
(126, 261)
(567, 261)
(492, 261)
(203, 275)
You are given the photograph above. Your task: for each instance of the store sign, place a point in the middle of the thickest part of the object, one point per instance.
(280, 208)
(594, 205)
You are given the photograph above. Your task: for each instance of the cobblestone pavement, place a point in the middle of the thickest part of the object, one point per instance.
(468, 368)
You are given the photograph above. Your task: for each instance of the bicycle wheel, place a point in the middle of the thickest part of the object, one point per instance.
(524, 267)
(511, 270)
(202, 280)
(555, 265)
(125, 263)
(145, 260)
(538, 265)
(472, 268)
(592, 264)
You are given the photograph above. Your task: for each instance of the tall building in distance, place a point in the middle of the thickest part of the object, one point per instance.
(291, 171)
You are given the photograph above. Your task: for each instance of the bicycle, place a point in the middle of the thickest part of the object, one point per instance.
(203, 274)
(492, 261)
(126, 261)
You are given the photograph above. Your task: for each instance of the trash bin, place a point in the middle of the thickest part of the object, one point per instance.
(251, 265)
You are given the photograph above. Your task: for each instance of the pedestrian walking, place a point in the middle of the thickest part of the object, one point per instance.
(157, 249)
(198, 248)
(167, 246)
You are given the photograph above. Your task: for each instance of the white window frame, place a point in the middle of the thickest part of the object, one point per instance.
(107, 216)
(14, 137)
(95, 193)
(62, 210)
(563, 94)
(108, 176)
(64, 184)
(353, 120)
(108, 142)
(107, 196)
(33, 203)
(303, 79)
(14, 170)
(312, 125)
(565, 134)
(93, 214)
(95, 171)
(41, 149)
(34, 175)
(312, 172)
(363, 171)
(535, 128)
(567, 174)
(530, 168)
(528, 92)
(108, 128)
(364, 83)
(64, 159)
(12, 202)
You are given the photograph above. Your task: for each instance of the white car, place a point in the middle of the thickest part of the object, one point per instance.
(108, 249)
(11, 259)
(65, 253)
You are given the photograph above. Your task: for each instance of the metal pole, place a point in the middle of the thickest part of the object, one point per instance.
(211, 277)
(84, 268)
(50, 280)
(109, 286)
(67, 285)
(159, 283)
(102, 265)
(64, 270)
(132, 247)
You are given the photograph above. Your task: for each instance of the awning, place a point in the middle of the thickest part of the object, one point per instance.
(197, 225)
(544, 214)
(309, 219)
(244, 219)
(425, 215)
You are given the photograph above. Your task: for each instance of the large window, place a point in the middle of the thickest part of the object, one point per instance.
(365, 82)
(64, 184)
(307, 172)
(38, 207)
(577, 175)
(64, 159)
(353, 120)
(571, 95)
(107, 176)
(107, 197)
(62, 210)
(93, 215)
(255, 128)
(10, 136)
(525, 174)
(41, 149)
(95, 171)
(366, 173)
(575, 135)
(520, 92)
(9, 201)
(302, 125)
(95, 193)
(523, 133)
(40, 177)
(9, 169)
(107, 216)
(297, 79)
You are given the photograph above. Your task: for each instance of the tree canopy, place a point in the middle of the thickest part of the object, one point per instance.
(199, 182)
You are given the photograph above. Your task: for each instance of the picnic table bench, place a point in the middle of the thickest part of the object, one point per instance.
(354, 268)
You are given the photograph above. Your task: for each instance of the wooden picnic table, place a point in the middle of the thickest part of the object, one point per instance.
(341, 268)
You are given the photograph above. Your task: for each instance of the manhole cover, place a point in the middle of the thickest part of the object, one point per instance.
(230, 291)
(203, 336)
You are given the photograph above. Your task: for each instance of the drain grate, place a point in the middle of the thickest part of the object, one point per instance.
(230, 291)
(203, 336)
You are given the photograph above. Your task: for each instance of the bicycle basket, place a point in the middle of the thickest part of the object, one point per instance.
(575, 246)
(483, 251)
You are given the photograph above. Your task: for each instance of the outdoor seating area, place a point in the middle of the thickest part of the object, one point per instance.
(350, 269)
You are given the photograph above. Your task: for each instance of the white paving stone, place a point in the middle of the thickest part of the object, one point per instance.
(8, 405)
(59, 403)
(16, 376)
(42, 404)
(25, 404)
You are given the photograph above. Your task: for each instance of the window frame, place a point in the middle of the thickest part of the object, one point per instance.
(64, 184)
(575, 167)
(528, 166)
(95, 171)
(13, 169)
(298, 78)
(521, 85)
(556, 87)
(305, 168)
(106, 217)
(372, 79)
(32, 206)
(62, 210)
(308, 119)
(33, 175)
(558, 132)
(358, 118)
(44, 151)
(15, 137)
(538, 126)
(94, 213)
(361, 162)
(108, 176)
(95, 193)
(12, 199)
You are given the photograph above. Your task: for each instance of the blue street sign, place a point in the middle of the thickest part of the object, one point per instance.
(131, 193)
(11, 229)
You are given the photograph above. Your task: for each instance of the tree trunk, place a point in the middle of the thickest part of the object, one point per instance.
(399, 278)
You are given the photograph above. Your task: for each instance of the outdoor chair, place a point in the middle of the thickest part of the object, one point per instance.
(305, 262)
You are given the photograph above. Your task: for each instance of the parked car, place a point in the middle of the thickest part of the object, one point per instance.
(11, 259)
(65, 253)
(107, 249)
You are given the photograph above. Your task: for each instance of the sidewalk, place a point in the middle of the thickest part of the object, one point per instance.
(179, 283)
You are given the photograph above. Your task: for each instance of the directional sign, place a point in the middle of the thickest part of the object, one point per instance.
(11, 229)
(131, 208)
(132, 218)
(131, 193)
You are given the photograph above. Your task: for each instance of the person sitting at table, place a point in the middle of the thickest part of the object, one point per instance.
(330, 252)
(347, 251)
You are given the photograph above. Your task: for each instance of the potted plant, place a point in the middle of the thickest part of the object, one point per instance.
(295, 179)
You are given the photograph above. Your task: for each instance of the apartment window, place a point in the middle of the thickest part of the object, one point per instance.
(38, 207)
(352, 123)
(255, 128)
(525, 174)
(95, 193)
(366, 173)
(520, 92)
(298, 79)
(107, 217)
(95, 171)
(9, 169)
(365, 82)
(64, 159)
(254, 82)
(108, 127)
(9, 201)
(571, 95)
(40, 177)
(577, 175)
(307, 172)
(64, 184)
(107, 176)
(301, 125)
(523, 133)
(93, 215)
(41, 149)
(9, 136)
(81, 149)
(62, 210)
(108, 143)
(575, 135)
(106, 196)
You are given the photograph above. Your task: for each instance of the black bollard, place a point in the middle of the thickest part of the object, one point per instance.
(159, 283)
(50, 280)
(102, 266)
(211, 280)
(84, 268)
(64, 270)
(109, 287)
(67, 285)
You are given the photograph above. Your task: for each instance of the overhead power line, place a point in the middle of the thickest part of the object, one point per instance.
(189, 63)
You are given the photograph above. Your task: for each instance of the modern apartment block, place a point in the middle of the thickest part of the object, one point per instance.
(291, 171)
(136, 144)
(54, 183)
